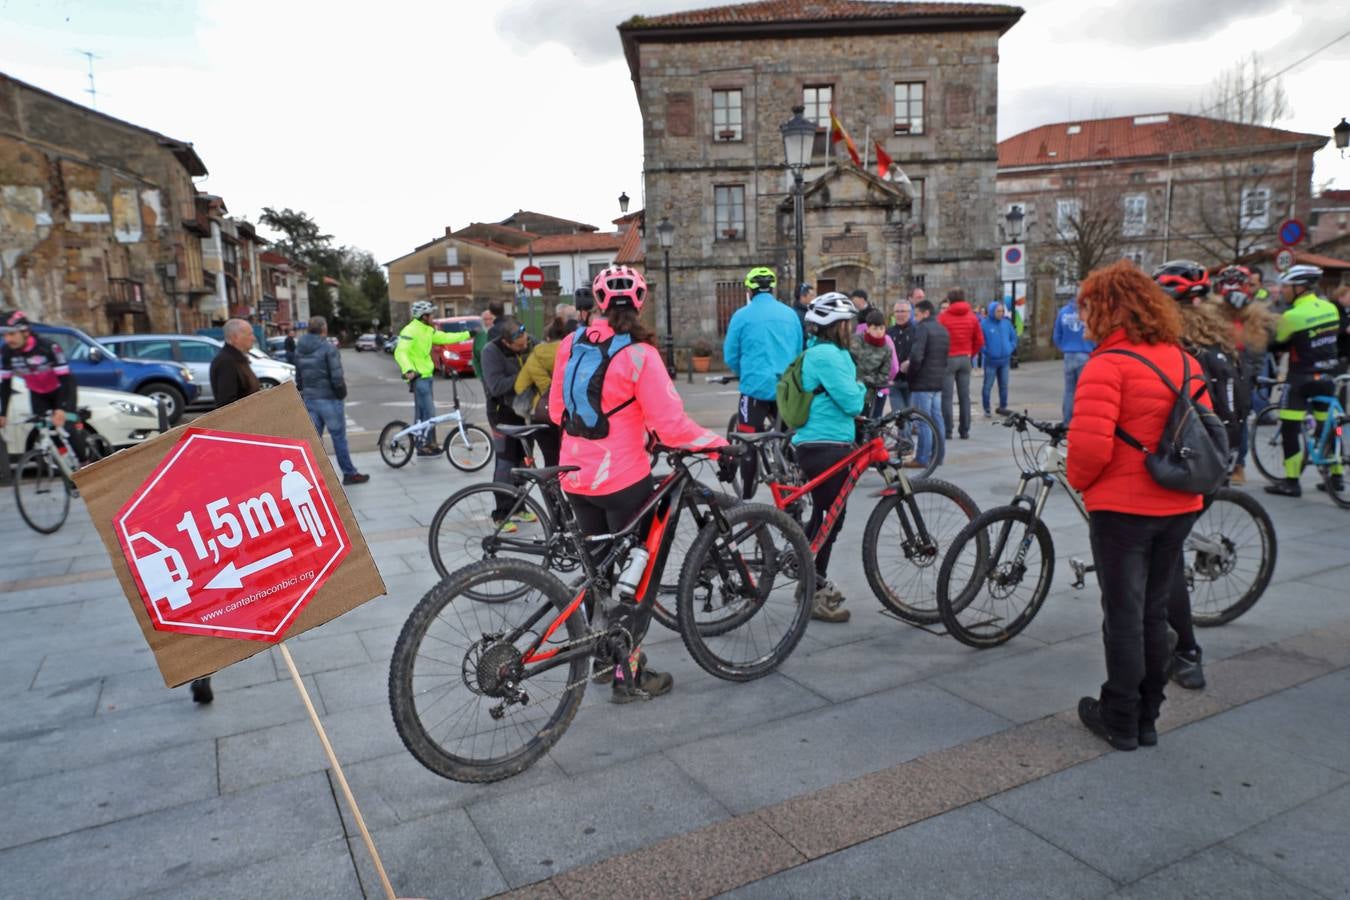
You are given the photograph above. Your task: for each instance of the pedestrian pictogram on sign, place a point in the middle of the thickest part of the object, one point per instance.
(532, 278)
(1292, 232)
(231, 535)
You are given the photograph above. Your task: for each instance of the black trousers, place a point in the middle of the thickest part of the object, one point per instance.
(607, 514)
(550, 445)
(752, 416)
(1138, 559)
(815, 458)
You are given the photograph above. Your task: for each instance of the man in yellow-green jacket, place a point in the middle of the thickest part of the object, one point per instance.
(413, 355)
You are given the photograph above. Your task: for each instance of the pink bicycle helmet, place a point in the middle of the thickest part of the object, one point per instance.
(619, 286)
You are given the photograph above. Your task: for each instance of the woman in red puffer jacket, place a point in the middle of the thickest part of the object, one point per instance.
(1137, 527)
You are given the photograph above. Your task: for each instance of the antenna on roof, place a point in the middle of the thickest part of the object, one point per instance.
(92, 91)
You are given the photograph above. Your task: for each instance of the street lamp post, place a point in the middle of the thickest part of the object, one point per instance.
(665, 233)
(1015, 219)
(799, 138)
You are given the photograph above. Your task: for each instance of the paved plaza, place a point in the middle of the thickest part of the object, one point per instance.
(880, 761)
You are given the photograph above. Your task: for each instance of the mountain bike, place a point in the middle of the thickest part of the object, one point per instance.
(1321, 441)
(468, 448)
(916, 518)
(1229, 554)
(43, 482)
(480, 689)
(500, 521)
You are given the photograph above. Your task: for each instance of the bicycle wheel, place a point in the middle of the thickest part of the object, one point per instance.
(42, 491)
(465, 529)
(1339, 474)
(463, 702)
(1229, 557)
(903, 545)
(989, 590)
(902, 440)
(396, 451)
(468, 450)
(757, 582)
(665, 609)
(1264, 445)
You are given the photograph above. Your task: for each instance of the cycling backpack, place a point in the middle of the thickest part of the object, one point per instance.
(794, 400)
(584, 384)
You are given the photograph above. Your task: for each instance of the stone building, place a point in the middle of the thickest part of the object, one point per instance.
(460, 272)
(714, 85)
(98, 219)
(1148, 188)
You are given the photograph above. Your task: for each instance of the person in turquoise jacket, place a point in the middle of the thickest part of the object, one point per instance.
(1000, 343)
(827, 437)
(763, 338)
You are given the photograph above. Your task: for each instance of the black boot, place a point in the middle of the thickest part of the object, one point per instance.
(1090, 714)
(1289, 487)
(1186, 670)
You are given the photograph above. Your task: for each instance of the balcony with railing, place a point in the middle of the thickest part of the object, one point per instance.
(125, 295)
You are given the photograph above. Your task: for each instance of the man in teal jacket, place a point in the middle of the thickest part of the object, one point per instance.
(413, 355)
(763, 338)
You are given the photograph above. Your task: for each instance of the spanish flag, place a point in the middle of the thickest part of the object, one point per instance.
(837, 134)
(884, 161)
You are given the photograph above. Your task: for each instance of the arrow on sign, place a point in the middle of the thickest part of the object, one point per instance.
(232, 577)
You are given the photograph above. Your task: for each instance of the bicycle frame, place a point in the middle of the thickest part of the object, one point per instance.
(47, 442)
(1322, 451)
(871, 453)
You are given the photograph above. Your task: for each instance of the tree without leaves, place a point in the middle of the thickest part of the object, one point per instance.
(1091, 233)
(1245, 93)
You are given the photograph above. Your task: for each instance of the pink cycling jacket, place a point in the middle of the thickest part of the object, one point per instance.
(620, 460)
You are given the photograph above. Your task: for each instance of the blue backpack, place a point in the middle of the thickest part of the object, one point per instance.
(584, 384)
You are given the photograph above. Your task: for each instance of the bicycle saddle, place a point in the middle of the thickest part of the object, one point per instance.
(520, 431)
(757, 437)
(548, 473)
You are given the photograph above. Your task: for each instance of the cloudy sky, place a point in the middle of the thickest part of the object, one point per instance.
(390, 123)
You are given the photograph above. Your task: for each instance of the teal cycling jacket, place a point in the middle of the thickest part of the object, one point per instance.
(830, 367)
(762, 340)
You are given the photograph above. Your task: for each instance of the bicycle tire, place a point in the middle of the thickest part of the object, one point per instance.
(977, 634)
(666, 612)
(98, 446)
(921, 419)
(923, 554)
(1342, 497)
(445, 546)
(463, 448)
(37, 475)
(737, 483)
(468, 672)
(1211, 522)
(1266, 446)
(790, 557)
(395, 452)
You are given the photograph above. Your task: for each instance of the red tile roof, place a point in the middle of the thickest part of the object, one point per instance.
(1126, 137)
(782, 11)
(584, 242)
(631, 250)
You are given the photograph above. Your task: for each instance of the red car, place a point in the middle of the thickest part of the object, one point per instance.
(458, 358)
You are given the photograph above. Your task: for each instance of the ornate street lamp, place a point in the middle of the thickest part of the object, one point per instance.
(799, 142)
(1014, 219)
(1342, 134)
(623, 202)
(665, 234)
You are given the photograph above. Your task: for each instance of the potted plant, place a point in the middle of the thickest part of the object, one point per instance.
(701, 354)
(730, 233)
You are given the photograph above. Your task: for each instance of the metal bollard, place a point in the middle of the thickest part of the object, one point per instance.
(163, 415)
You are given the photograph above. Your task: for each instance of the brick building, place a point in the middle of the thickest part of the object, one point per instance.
(714, 86)
(98, 218)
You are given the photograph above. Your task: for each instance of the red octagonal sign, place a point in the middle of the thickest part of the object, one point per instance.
(231, 535)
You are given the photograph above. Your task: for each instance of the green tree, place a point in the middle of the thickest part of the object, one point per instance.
(302, 241)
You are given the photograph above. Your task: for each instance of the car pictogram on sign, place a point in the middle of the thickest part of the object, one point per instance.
(231, 535)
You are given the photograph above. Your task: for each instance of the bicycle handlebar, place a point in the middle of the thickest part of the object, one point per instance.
(721, 379)
(1055, 430)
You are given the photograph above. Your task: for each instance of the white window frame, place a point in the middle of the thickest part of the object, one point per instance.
(452, 256)
(1252, 200)
(457, 279)
(728, 115)
(909, 109)
(1135, 214)
(1066, 208)
(440, 279)
(555, 269)
(817, 108)
(414, 279)
(728, 210)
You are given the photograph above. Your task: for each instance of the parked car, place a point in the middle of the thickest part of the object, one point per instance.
(366, 342)
(390, 343)
(196, 352)
(94, 365)
(119, 418)
(458, 358)
(276, 347)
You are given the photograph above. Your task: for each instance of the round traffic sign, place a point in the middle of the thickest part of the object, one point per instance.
(1292, 232)
(532, 278)
(231, 535)
(1284, 260)
(1013, 255)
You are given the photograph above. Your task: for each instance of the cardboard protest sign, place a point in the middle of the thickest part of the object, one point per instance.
(229, 534)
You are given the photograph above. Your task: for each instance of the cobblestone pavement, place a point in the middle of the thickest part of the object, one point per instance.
(879, 761)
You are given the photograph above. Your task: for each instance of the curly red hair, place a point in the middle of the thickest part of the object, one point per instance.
(1122, 296)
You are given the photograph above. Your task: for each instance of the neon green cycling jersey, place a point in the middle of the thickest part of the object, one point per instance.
(1308, 330)
(413, 351)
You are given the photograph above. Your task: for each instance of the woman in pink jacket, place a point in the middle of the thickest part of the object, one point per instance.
(610, 388)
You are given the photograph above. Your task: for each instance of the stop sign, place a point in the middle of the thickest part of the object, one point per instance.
(231, 535)
(532, 277)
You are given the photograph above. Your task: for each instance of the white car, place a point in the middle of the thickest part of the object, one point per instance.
(196, 352)
(120, 418)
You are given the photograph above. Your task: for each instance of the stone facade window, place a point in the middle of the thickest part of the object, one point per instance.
(594, 269)
(1066, 217)
(726, 105)
(729, 212)
(1255, 208)
(818, 98)
(1136, 215)
(909, 107)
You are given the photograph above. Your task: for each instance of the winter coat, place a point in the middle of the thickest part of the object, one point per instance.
(928, 356)
(902, 338)
(829, 366)
(232, 376)
(636, 373)
(876, 363)
(1000, 337)
(318, 369)
(501, 366)
(1070, 334)
(763, 338)
(964, 328)
(538, 371)
(1117, 390)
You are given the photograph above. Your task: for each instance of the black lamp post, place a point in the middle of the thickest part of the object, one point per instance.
(623, 202)
(665, 233)
(1342, 135)
(1015, 218)
(799, 139)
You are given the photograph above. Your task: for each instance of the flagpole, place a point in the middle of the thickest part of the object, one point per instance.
(867, 146)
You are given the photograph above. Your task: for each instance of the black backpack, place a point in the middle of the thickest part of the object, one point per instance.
(1192, 451)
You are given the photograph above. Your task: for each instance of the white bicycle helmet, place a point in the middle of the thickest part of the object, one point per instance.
(421, 307)
(830, 308)
(1302, 275)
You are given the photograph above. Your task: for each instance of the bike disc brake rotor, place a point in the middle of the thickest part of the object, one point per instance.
(1005, 579)
(1216, 565)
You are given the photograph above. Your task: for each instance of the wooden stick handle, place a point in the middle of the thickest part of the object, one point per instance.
(337, 770)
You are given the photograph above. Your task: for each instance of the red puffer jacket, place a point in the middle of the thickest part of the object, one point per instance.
(964, 327)
(1117, 390)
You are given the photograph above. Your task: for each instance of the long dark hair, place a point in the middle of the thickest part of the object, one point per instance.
(838, 333)
(624, 320)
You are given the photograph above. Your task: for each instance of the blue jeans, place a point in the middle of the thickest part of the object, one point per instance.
(995, 370)
(1073, 365)
(929, 402)
(424, 407)
(331, 414)
(899, 395)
